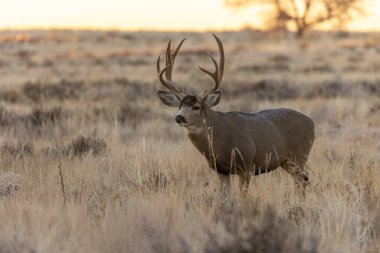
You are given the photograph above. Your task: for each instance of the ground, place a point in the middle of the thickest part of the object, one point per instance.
(92, 161)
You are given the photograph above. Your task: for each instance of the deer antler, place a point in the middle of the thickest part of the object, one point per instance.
(218, 74)
(169, 69)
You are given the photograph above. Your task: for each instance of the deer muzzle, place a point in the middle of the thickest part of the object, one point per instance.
(180, 119)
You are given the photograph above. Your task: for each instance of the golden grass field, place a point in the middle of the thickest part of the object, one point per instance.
(92, 161)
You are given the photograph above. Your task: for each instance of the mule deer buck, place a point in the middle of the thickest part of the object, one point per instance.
(243, 143)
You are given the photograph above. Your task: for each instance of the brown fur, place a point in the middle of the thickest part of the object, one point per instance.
(253, 143)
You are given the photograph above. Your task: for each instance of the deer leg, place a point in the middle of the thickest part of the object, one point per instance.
(299, 174)
(224, 181)
(244, 179)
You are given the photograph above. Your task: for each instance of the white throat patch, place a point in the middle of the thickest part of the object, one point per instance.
(194, 130)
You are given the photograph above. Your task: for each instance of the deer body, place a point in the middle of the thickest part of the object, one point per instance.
(253, 142)
(238, 142)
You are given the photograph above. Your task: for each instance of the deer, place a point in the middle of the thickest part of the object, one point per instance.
(242, 143)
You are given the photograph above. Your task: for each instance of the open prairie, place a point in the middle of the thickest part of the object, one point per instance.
(92, 161)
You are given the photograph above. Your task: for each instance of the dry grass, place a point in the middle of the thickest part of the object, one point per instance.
(79, 108)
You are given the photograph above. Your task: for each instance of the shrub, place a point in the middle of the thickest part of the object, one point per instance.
(82, 145)
(9, 96)
(330, 89)
(61, 91)
(40, 117)
(271, 235)
(21, 149)
(133, 114)
(265, 89)
(10, 183)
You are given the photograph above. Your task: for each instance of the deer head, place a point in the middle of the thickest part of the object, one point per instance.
(191, 107)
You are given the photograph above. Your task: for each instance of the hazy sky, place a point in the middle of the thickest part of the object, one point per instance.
(141, 14)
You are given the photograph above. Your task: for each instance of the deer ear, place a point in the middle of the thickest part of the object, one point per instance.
(213, 99)
(168, 98)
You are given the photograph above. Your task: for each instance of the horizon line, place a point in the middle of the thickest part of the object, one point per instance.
(163, 30)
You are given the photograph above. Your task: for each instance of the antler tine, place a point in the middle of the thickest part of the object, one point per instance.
(221, 60)
(214, 75)
(168, 70)
(219, 69)
(169, 63)
(158, 64)
(170, 59)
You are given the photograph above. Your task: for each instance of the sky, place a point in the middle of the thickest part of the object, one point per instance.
(198, 15)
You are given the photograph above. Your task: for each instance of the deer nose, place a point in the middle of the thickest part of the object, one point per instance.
(180, 119)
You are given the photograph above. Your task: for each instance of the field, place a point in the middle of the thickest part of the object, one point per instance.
(92, 161)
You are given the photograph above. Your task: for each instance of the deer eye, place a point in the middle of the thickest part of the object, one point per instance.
(196, 108)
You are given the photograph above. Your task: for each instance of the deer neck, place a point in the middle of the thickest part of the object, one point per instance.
(200, 136)
(207, 123)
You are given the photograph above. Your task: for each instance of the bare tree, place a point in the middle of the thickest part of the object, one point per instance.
(304, 14)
